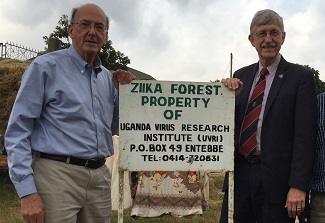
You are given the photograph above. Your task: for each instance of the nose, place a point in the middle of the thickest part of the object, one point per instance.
(92, 30)
(268, 37)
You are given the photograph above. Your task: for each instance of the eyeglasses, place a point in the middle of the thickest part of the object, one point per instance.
(86, 25)
(263, 34)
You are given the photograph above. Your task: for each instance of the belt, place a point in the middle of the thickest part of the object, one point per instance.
(87, 163)
(253, 159)
(250, 158)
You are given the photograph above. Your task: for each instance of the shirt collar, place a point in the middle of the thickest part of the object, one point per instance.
(81, 64)
(272, 68)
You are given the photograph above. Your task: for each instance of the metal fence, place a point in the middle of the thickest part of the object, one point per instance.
(15, 51)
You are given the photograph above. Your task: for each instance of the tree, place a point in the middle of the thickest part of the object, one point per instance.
(320, 85)
(60, 32)
(111, 59)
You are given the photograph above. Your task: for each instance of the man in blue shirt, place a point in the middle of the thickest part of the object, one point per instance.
(317, 186)
(61, 126)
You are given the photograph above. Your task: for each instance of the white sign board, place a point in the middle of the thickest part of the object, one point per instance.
(176, 126)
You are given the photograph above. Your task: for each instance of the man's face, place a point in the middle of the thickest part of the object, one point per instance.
(88, 31)
(267, 40)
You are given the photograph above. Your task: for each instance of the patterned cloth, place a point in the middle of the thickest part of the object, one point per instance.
(318, 180)
(177, 193)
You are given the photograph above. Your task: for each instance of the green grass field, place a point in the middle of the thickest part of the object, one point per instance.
(10, 205)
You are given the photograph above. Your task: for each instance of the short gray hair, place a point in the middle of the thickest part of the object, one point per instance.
(266, 17)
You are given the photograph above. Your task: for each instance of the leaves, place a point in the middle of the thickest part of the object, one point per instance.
(320, 85)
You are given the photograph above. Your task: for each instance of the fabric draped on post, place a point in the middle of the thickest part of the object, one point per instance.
(176, 193)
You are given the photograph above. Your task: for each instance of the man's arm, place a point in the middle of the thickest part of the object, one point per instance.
(26, 109)
(233, 84)
(304, 144)
(32, 208)
(122, 77)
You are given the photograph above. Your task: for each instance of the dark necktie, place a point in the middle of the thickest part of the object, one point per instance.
(249, 127)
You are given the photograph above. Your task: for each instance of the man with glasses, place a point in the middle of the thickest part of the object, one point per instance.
(275, 128)
(61, 126)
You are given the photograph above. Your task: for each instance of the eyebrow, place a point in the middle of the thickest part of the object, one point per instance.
(97, 23)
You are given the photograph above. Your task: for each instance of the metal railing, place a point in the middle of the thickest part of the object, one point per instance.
(15, 51)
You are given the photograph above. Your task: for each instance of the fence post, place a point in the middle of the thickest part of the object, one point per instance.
(53, 45)
(3, 54)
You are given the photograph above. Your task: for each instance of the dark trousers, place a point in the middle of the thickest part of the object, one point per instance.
(250, 205)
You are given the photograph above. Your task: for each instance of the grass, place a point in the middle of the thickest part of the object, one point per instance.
(9, 202)
(10, 205)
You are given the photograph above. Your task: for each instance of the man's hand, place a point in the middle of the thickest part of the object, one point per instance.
(123, 77)
(32, 208)
(233, 84)
(295, 202)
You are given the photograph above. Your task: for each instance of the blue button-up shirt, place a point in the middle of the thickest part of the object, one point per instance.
(64, 106)
(318, 180)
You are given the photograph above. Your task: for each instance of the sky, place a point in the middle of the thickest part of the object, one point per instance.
(179, 40)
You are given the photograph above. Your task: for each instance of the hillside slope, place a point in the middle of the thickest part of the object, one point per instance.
(10, 75)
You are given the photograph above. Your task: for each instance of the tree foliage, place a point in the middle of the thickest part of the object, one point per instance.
(111, 59)
(60, 32)
(320, 85)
